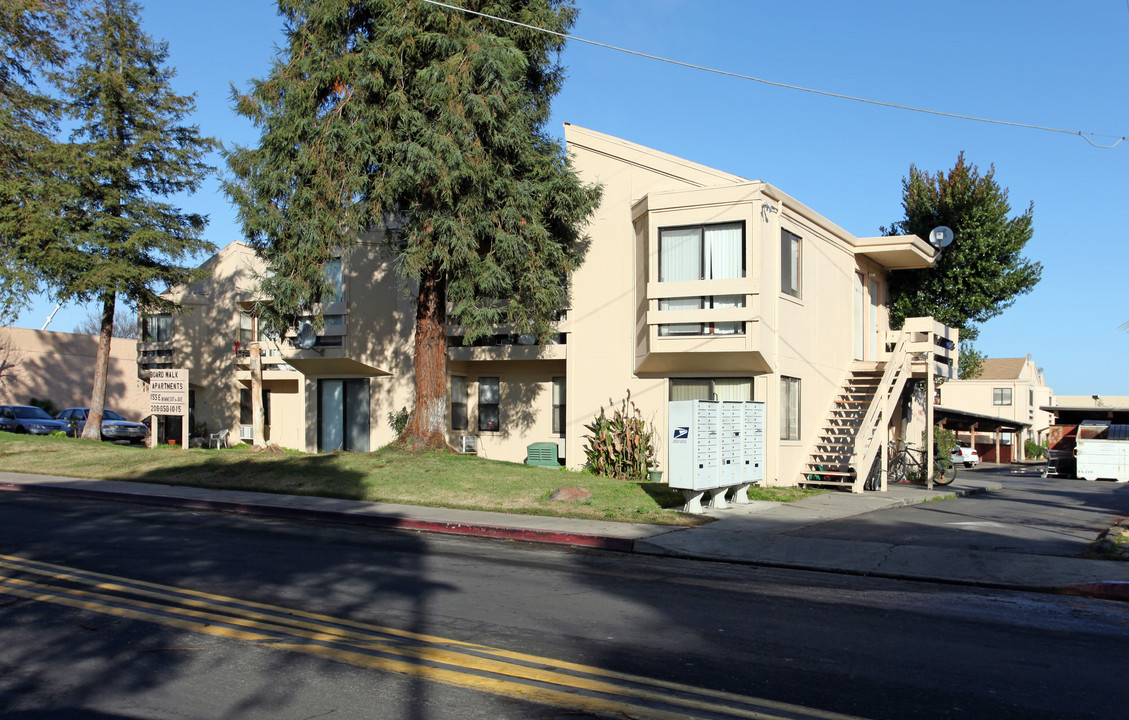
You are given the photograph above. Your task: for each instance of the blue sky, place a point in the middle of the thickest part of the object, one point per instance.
(1025, 61)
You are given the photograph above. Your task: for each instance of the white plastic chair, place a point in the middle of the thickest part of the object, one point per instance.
(219, 438)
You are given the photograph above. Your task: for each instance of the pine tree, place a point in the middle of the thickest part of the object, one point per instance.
(400, 110)
(131, 148)
(981, 273)
(33, 45)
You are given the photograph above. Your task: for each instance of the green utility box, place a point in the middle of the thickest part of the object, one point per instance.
(542, 454)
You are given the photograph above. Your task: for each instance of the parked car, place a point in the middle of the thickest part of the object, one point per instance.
(966, 455)
(114, 426)
(28, 419)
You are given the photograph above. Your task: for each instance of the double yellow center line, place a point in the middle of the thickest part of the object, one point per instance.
(468, 665)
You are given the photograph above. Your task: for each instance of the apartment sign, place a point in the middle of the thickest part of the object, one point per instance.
(168, 392)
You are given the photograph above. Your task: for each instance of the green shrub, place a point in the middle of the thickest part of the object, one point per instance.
(946, 440)
(398, 420)
(620, 446)
(1034, 450)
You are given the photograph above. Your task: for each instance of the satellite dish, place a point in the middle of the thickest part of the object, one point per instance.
(940, 236)
(306, 336)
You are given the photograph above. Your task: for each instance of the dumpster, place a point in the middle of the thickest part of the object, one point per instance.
(1103, 452)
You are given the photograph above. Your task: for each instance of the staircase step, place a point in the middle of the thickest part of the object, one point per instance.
(829, 482)
(830, 460)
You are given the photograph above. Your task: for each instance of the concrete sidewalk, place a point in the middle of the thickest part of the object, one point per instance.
(760, 533)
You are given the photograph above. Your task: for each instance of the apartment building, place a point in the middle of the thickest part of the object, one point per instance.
(698, 284)
(1010, 389)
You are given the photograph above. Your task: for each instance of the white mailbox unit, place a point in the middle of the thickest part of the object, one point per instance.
(693, 444)
(714, 447)
(753, 443)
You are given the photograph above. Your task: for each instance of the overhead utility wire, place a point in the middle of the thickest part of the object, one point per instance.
(1084, 135)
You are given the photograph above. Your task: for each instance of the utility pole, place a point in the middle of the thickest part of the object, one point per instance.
(257, 426)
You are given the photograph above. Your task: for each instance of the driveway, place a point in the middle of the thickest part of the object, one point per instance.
(1030, 515)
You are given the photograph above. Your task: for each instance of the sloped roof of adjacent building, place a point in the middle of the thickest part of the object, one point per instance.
(686, 172)
(1002, 368)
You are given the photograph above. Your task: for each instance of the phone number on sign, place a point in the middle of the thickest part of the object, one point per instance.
(166, 409)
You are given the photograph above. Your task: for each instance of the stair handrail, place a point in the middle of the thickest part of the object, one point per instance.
(865, 447)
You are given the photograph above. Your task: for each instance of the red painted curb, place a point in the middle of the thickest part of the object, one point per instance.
(1109, 590)
(555, 537)
(551, 537)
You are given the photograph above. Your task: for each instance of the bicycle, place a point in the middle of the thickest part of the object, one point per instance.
(907, 464)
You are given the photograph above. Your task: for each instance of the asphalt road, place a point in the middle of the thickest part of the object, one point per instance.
(1030, 514)
(120, 611)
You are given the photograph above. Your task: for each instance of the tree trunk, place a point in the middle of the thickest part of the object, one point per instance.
(93, 428)
(429, 418)
(258, 433)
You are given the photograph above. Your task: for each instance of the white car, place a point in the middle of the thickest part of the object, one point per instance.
(966, 455)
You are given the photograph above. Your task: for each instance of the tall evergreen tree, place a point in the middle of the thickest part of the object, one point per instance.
(399, 110)
(132, 148)
(981, 273)
(33, 44)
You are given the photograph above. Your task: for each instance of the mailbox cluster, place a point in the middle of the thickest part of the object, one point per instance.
(714, 446)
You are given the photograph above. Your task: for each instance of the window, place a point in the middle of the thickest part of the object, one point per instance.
(489, 391)
(1001, 396)
(246, 413)
(698, 303)
(711, 389)
(332, 332)
(246, 329)
(789, 408)
(790, 263)
(336, 282)
(702, 252)
(458, 403)
(157, 328)
(558, 406)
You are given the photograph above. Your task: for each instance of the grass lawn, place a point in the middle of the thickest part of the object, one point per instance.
(387, 475)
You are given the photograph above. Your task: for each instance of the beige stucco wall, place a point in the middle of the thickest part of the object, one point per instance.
(377, 346)
(601, 322)
(810, 338)
(379, 341)
(59, 367)
(204, 336)
(525, 406)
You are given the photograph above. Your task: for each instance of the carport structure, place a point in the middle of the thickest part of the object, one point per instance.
(1001, 450)
(1074, 414)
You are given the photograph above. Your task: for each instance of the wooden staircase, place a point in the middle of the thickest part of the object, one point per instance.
(831, 461)
(854, 436)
